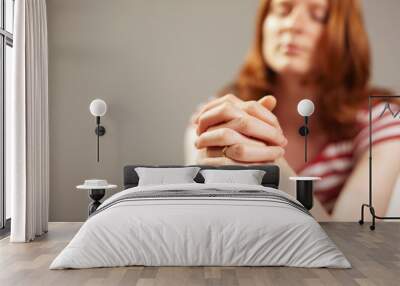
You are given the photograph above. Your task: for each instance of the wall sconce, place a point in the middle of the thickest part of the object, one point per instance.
(98, 108)
(305, 108)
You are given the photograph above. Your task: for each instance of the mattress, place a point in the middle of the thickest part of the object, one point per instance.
(201, 225)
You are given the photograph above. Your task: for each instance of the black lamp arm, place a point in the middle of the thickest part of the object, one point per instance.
(100, 131)
(305, 137)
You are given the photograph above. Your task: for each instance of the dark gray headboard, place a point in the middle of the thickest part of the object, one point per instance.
(271, 177)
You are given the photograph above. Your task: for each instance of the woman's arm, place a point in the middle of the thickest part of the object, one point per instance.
(385, 171)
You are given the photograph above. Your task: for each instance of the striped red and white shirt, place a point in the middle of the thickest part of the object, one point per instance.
(336, 160)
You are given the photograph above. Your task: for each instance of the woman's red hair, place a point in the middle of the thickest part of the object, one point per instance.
(342, 68)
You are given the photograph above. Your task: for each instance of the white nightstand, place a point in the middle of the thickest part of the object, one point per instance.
(304, 190)
(97, 189)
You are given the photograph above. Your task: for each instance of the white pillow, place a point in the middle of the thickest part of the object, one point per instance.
(248, 177)
(162, 176)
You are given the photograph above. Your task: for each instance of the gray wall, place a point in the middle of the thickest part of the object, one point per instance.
(152, 61)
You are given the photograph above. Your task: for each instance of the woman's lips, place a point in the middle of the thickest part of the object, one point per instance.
(291, 49)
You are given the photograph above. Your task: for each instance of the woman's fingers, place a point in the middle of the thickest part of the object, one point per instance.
(226, 98)
(242, 153)
(194, 116)
(251, 153)
(245, 121)
(229, 106)
(197, 113)
(259, 110)
(247, 153)
(254, 128)
(268, 101)
(223, 137)
(217, 115)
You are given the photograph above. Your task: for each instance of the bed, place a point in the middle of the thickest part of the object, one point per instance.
(201, 224)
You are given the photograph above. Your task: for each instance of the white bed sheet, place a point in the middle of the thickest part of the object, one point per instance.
(200, 231)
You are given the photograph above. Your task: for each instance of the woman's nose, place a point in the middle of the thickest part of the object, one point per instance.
(296, 20)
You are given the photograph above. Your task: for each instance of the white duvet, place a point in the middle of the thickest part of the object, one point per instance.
(200, 231)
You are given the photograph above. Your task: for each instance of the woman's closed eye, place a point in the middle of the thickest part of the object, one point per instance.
(319, 14)
(316, 12)
(282, 8)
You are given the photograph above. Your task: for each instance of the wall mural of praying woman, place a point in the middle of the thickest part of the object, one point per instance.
(299, 52)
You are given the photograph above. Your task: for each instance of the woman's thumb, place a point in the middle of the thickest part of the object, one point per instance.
(268, 101)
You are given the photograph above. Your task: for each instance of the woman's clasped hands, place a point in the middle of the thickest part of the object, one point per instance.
(233, 131)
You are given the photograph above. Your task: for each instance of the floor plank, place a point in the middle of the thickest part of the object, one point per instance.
(374, 255)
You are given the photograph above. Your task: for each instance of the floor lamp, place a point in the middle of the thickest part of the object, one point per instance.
(370, 203)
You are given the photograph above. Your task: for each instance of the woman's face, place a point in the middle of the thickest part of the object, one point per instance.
(291, 32)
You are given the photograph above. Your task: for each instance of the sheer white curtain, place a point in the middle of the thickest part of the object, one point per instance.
(27, 124)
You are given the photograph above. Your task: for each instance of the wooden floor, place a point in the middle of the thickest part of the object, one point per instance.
(375, 257)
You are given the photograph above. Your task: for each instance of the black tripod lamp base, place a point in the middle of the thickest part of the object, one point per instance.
(96, 195)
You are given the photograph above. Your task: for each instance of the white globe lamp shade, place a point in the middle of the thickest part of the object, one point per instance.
(305, 107)
(98, 107)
